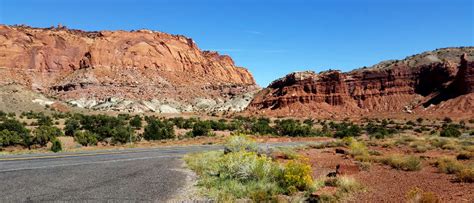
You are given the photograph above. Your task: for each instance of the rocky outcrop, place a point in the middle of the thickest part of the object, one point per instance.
(136, 67)
(426, 83)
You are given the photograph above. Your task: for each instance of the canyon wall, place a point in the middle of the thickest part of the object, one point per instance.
(434, 83)
(120, 70)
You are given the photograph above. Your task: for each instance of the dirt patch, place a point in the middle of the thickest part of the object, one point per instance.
(390, 185)
(384, 184)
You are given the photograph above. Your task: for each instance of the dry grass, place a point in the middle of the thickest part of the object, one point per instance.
(402, 162)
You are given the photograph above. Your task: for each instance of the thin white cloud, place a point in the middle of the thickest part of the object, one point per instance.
(251, 50)
(227, 50)
(253, 32)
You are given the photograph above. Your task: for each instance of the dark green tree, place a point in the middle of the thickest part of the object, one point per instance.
(57, 146)
(136, 122)
(201, 128)
(71, 126)
(157, 130)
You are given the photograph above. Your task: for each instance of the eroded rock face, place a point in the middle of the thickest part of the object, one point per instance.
(438, 81)
(89, 68)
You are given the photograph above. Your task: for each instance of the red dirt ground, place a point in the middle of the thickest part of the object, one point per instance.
(385, 184)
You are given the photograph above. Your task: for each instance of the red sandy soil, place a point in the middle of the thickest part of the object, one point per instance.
(385, 184)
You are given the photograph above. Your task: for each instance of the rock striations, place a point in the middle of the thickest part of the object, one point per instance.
(439, 82)
(119, 70)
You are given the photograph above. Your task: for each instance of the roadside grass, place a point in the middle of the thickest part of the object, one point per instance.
(242, 173)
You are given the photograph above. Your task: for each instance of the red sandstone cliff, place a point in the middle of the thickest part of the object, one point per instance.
(440, 82)
(139, 65)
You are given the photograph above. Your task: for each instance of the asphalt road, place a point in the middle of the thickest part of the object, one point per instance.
(149, 175)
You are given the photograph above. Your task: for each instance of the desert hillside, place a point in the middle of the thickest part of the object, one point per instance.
(136, 71)
(436, 83)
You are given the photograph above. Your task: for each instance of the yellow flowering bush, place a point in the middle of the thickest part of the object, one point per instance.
(297, 176)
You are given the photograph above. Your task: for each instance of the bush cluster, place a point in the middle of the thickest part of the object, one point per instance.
(293, 128)
(378, 131)
(12, 132)
(465, 173)
(157, 129)
(243, 173)
(85, 138)
(345, 129)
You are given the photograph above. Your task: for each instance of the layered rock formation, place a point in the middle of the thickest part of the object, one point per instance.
(120, 70)
(438, 82)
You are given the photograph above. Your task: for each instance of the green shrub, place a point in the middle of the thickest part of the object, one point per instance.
(71, 126)
(18, 128)
(44, 120)
(123, 134)
(309, 122)
(406, 163)
(10, 138)
(201, 128)
(182, 123)
(448, 165)
(293, 128)
(262, 127)
(450, 131)
(358, 148)
(236, 175)
(101, 125)
(219, 125)
(136, 122)
(56, 145)
(346, 130)
(14, 125)
(242, 173)
(44, 134)
(378, 132)
(158, 130)
(240, 142)
(85, 138)
(123, 116)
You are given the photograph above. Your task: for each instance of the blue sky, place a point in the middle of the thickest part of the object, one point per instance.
(273, 38)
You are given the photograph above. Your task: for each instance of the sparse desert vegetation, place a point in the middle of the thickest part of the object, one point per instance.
(336, 169)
